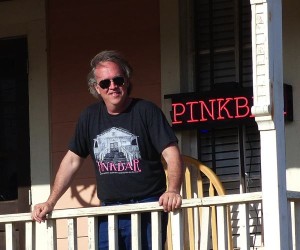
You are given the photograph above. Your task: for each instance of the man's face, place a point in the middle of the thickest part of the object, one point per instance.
(115, 94)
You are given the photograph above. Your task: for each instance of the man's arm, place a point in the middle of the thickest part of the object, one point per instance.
(68, 167)
(171, 199)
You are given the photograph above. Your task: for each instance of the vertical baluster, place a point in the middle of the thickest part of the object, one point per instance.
(30, 235)
(51, 237)
(291, 241)
(93, 233)
(205, 228)
(244, 226)
(10, 236)
(177, 230)
(72, 234)
(135, 231)
(156, 230)
(222, 227)
(196, 222)
(113, 232)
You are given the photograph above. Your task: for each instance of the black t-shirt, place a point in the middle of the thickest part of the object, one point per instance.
(125, 148)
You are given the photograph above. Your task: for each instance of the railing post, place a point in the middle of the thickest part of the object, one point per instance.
(267, 109)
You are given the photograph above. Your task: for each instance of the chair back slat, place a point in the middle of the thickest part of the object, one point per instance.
(200, 181)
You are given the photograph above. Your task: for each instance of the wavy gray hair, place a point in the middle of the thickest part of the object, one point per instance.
(108, 56)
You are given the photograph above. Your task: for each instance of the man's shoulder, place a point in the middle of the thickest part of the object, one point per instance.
(142, 103)
(94, 107)
(91, 110)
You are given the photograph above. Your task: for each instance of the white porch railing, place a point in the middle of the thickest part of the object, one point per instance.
(201, 235)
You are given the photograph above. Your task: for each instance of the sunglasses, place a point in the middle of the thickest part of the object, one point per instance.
(118, 80)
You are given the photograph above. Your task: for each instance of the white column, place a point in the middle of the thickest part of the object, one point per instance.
(268, 111)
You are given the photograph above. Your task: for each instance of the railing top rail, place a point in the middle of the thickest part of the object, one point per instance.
(138, 207)
(229, 199)
(15, 217)
(153, 206)
(293, 195)
(146, 207)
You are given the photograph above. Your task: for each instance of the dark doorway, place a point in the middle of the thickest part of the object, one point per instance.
(14, 125)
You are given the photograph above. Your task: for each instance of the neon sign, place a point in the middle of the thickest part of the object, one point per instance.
(217, 107)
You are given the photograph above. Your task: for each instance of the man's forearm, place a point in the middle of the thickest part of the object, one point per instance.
(175, 168)
(68, 168)
(175, 178)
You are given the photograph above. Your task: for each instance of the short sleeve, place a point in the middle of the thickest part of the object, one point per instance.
(79, 142)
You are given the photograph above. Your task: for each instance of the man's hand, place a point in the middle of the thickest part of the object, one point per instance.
(40, 211)
(68, 167)
(170, 200)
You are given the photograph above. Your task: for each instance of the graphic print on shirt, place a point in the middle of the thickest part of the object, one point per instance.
(117, 151)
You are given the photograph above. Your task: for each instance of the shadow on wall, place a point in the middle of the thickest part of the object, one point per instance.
(85, 194)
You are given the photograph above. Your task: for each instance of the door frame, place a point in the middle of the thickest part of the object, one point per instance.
(31, 23)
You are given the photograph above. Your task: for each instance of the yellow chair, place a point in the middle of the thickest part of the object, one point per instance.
(200, 181)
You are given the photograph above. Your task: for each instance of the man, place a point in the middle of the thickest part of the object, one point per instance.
(125, 137)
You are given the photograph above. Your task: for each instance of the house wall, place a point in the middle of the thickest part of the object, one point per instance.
(77, 31)
(291, 75)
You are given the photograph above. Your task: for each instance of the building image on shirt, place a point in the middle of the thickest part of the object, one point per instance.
(116, 145)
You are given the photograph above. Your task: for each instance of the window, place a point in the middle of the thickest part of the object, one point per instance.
(223, 60)
(223, 43)
(14, 115)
